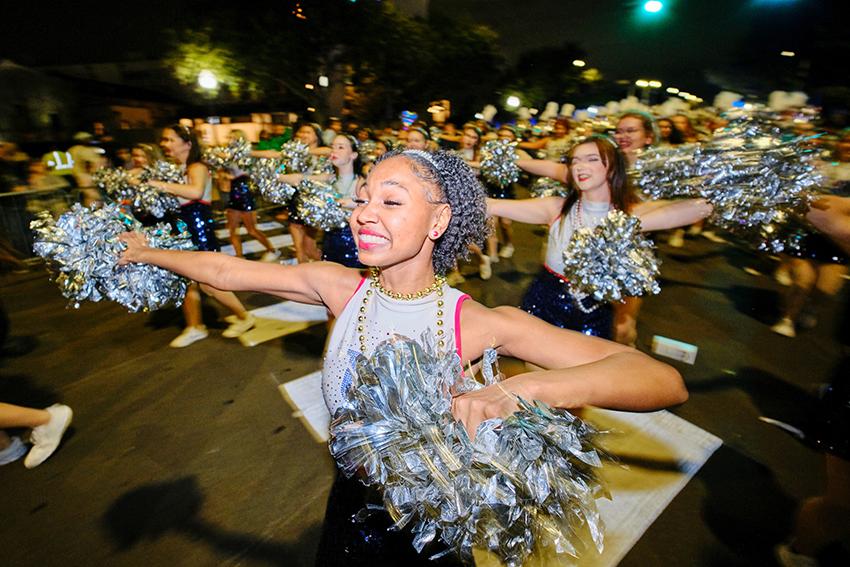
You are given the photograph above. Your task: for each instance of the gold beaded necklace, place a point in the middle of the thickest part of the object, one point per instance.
(375, 284)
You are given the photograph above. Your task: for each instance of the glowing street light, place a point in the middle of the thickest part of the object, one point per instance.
(653, 6)
(654, 84)
(309, 86)
(787, 53)
(512, 102)
(642, 83)
(579, 63)
(323, 81)
(672, 90)
(207, 80)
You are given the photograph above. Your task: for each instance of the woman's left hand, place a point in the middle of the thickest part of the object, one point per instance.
(498, 400)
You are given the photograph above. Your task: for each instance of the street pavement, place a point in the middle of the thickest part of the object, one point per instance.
(192, 456)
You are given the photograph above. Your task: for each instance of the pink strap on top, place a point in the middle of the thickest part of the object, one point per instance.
(353, 293)
(460, 301)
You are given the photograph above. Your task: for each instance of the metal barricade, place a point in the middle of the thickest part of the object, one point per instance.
(18, 209)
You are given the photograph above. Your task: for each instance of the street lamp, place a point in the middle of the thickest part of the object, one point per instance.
(672, 90)
(579, 63)
(512, 102)
(207, 80)
(787, 53)
(323, 81)
(653, 6)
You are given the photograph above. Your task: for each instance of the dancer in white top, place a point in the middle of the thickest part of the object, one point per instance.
(414, 215)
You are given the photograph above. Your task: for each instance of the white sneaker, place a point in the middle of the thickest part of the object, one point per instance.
(13, 452)
(788, 558)
(45, 438)
(270, 256)
(239, 327)
(494, 258)
(188, 336)
(484, 269)
(785, 327)
(507, 251)
(677, 239)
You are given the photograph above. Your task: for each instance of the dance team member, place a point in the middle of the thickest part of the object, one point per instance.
(414, 215)
(180, 145)
(596, 176)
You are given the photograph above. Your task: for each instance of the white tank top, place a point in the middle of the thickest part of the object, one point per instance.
(561, 231)
(206, 197)
(385, 317)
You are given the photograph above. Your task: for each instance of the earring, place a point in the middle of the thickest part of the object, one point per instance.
(435, 234)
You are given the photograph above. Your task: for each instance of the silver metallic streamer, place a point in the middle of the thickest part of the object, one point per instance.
(317, 205)
(547, 187)
(498, 162)
(367, 151)
(82, 249)
(612, 261)
(265, 173)
(749, 171)
(142, 197)
(295, 157)
(237, 154)
(529, 479)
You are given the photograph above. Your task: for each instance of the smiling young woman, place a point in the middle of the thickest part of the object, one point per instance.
(412, 218)
(595, 172)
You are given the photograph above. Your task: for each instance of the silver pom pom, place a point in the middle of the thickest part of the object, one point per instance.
(142, 197)
(265, 174)
(612, 261)
(548, 187)
(367, 151)
(498, 162)
(235, 154)
(295, 157)
(317, 205)
(529, 477)
(748, 171)
(82, 249)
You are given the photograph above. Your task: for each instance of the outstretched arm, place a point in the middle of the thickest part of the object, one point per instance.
(531, 211)
(319, 283)
(663, 215)
(582, 370)
(544, 168)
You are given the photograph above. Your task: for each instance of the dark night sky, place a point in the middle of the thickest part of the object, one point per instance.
(694, 36)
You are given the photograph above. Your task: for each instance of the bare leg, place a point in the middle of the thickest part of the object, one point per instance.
(233, 221)
(19, 416)
(625, 320)
(298, 232)
(192, 306)
(803, 277)
(311, 247)
(249, 219)
(507, 231)
(226, 298)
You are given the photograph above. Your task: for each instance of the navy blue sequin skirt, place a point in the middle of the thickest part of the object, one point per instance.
(199, 223)
(353, 536)
(549, 298)
(339, 246)
(241, 198)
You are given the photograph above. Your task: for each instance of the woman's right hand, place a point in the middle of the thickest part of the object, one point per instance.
(136, 245)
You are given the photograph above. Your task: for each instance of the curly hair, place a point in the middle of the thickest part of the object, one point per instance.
(460, 189)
